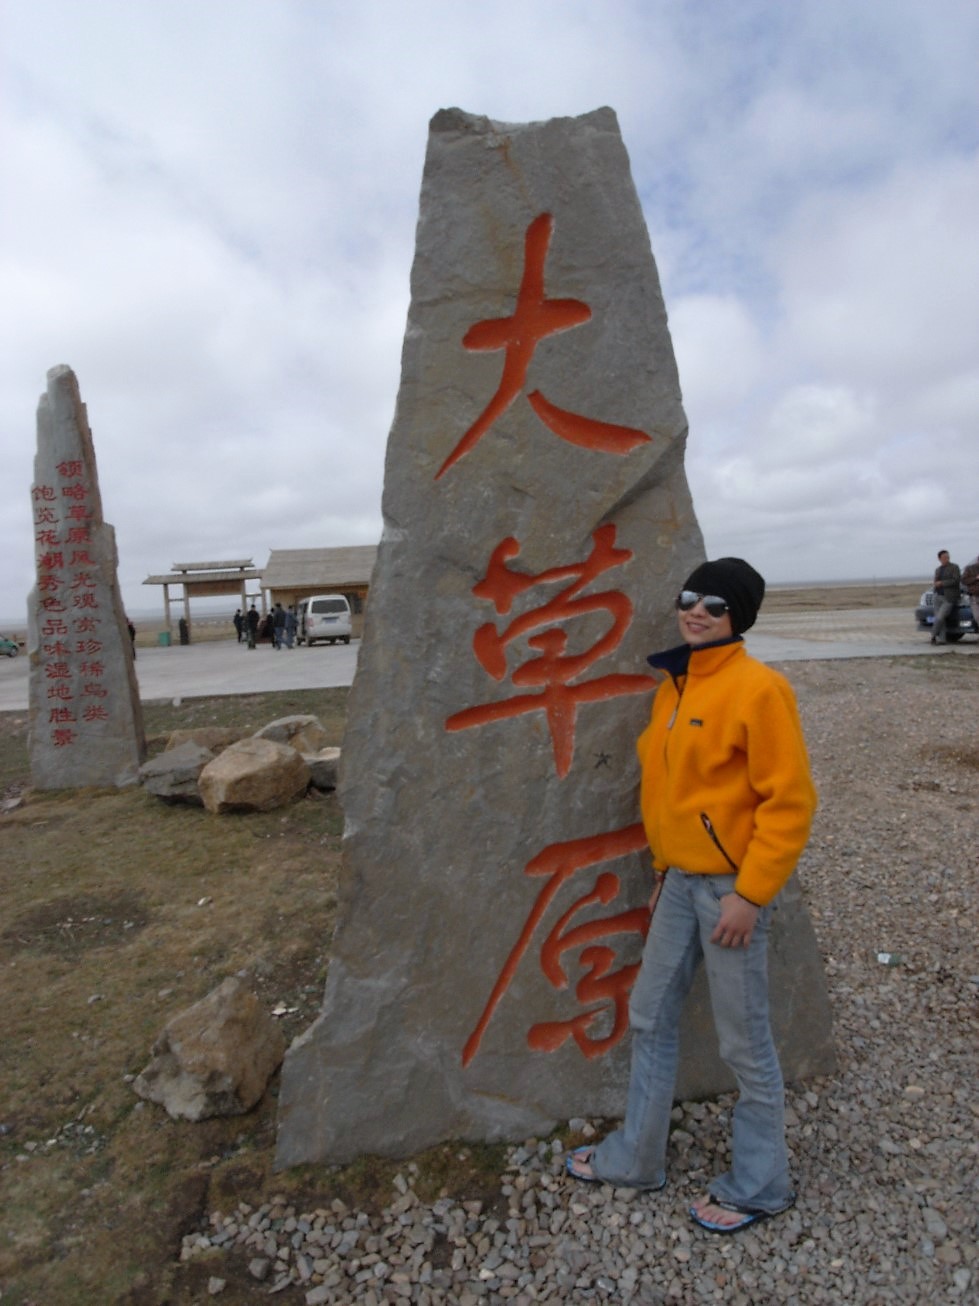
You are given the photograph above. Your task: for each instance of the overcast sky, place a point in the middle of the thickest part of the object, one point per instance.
(207, 209)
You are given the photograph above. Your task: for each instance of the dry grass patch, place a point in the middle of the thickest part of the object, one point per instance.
(119, 912)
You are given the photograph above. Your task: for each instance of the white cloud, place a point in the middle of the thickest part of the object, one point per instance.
(209, 213)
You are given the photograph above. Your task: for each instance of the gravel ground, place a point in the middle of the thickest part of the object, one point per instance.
(884, 1151)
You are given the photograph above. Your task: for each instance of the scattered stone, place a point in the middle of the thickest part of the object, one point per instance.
(253, 775)
(303, 733)
(173, 775)
(324, 767)
(213, 738)
(215, 1058)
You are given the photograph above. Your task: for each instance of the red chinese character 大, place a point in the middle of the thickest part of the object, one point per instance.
(534, 318)
(602, 991)
(550, 674)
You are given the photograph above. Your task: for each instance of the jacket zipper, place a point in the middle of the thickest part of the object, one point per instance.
(709, 827)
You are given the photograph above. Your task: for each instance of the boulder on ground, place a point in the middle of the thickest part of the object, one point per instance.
(253, 775)
(214, 1059)
(304, 733)
(173, 775)
(216, 738)
(323, 767)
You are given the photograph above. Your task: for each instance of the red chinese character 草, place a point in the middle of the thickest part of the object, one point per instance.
(602, 991)
(551, 672)
(534, 318)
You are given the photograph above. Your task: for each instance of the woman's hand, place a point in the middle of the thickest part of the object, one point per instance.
(737, 923)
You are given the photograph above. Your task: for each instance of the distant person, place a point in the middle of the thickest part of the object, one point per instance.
(970, 583)
(239, 621)
(252, 623)
(265, 628)
(132, 637)
(727, 801)
(292, 625)
(278, 626)
(948, 593)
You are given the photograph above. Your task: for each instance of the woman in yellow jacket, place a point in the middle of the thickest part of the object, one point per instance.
(727, 803)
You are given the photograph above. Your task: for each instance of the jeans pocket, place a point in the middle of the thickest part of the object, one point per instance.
(720, 885)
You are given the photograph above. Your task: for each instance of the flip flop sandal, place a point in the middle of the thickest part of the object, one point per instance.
(747, 1217)
(583, 1154)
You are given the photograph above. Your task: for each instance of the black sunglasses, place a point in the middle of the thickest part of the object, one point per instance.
(713, 606)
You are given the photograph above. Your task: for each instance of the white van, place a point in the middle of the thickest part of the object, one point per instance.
(323, 616)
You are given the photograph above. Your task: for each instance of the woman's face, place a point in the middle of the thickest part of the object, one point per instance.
(698, 627)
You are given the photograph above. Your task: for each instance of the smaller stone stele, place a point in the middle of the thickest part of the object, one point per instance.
(253, 775)
(214, 1059)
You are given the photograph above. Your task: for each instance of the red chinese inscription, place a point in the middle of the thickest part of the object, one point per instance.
(551, 672)
(534, 318)
(603, 991)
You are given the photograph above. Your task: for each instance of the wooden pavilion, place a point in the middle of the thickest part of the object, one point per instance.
(207, 579)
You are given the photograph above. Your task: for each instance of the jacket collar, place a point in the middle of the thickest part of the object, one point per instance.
(701, 660)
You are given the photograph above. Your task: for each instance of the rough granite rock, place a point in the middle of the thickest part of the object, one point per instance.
(304, 733)
(215, 1058)
(174, 774)
(253, 775)
(324, 767)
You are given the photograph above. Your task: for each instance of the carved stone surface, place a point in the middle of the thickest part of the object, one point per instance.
(215, 1058)
(537, 526)
(86, 724)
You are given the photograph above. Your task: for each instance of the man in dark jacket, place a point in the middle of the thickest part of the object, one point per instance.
(947, 594)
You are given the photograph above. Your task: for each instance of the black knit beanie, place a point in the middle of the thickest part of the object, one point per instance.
(737, 583)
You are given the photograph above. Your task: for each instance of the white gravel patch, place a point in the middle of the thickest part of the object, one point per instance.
(884, 1151)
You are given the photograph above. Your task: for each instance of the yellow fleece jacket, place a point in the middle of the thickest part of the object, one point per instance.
(725, 775)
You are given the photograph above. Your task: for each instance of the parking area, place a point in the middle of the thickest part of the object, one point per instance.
(226, 667)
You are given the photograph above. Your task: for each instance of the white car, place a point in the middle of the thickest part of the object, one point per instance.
(325, 617)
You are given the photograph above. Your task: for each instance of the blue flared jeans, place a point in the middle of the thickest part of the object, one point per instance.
(678, 940)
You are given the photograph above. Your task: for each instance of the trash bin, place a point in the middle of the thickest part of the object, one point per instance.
(163, 639)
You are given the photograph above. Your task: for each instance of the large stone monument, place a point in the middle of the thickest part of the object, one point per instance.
(86, 724)
(537, 527)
